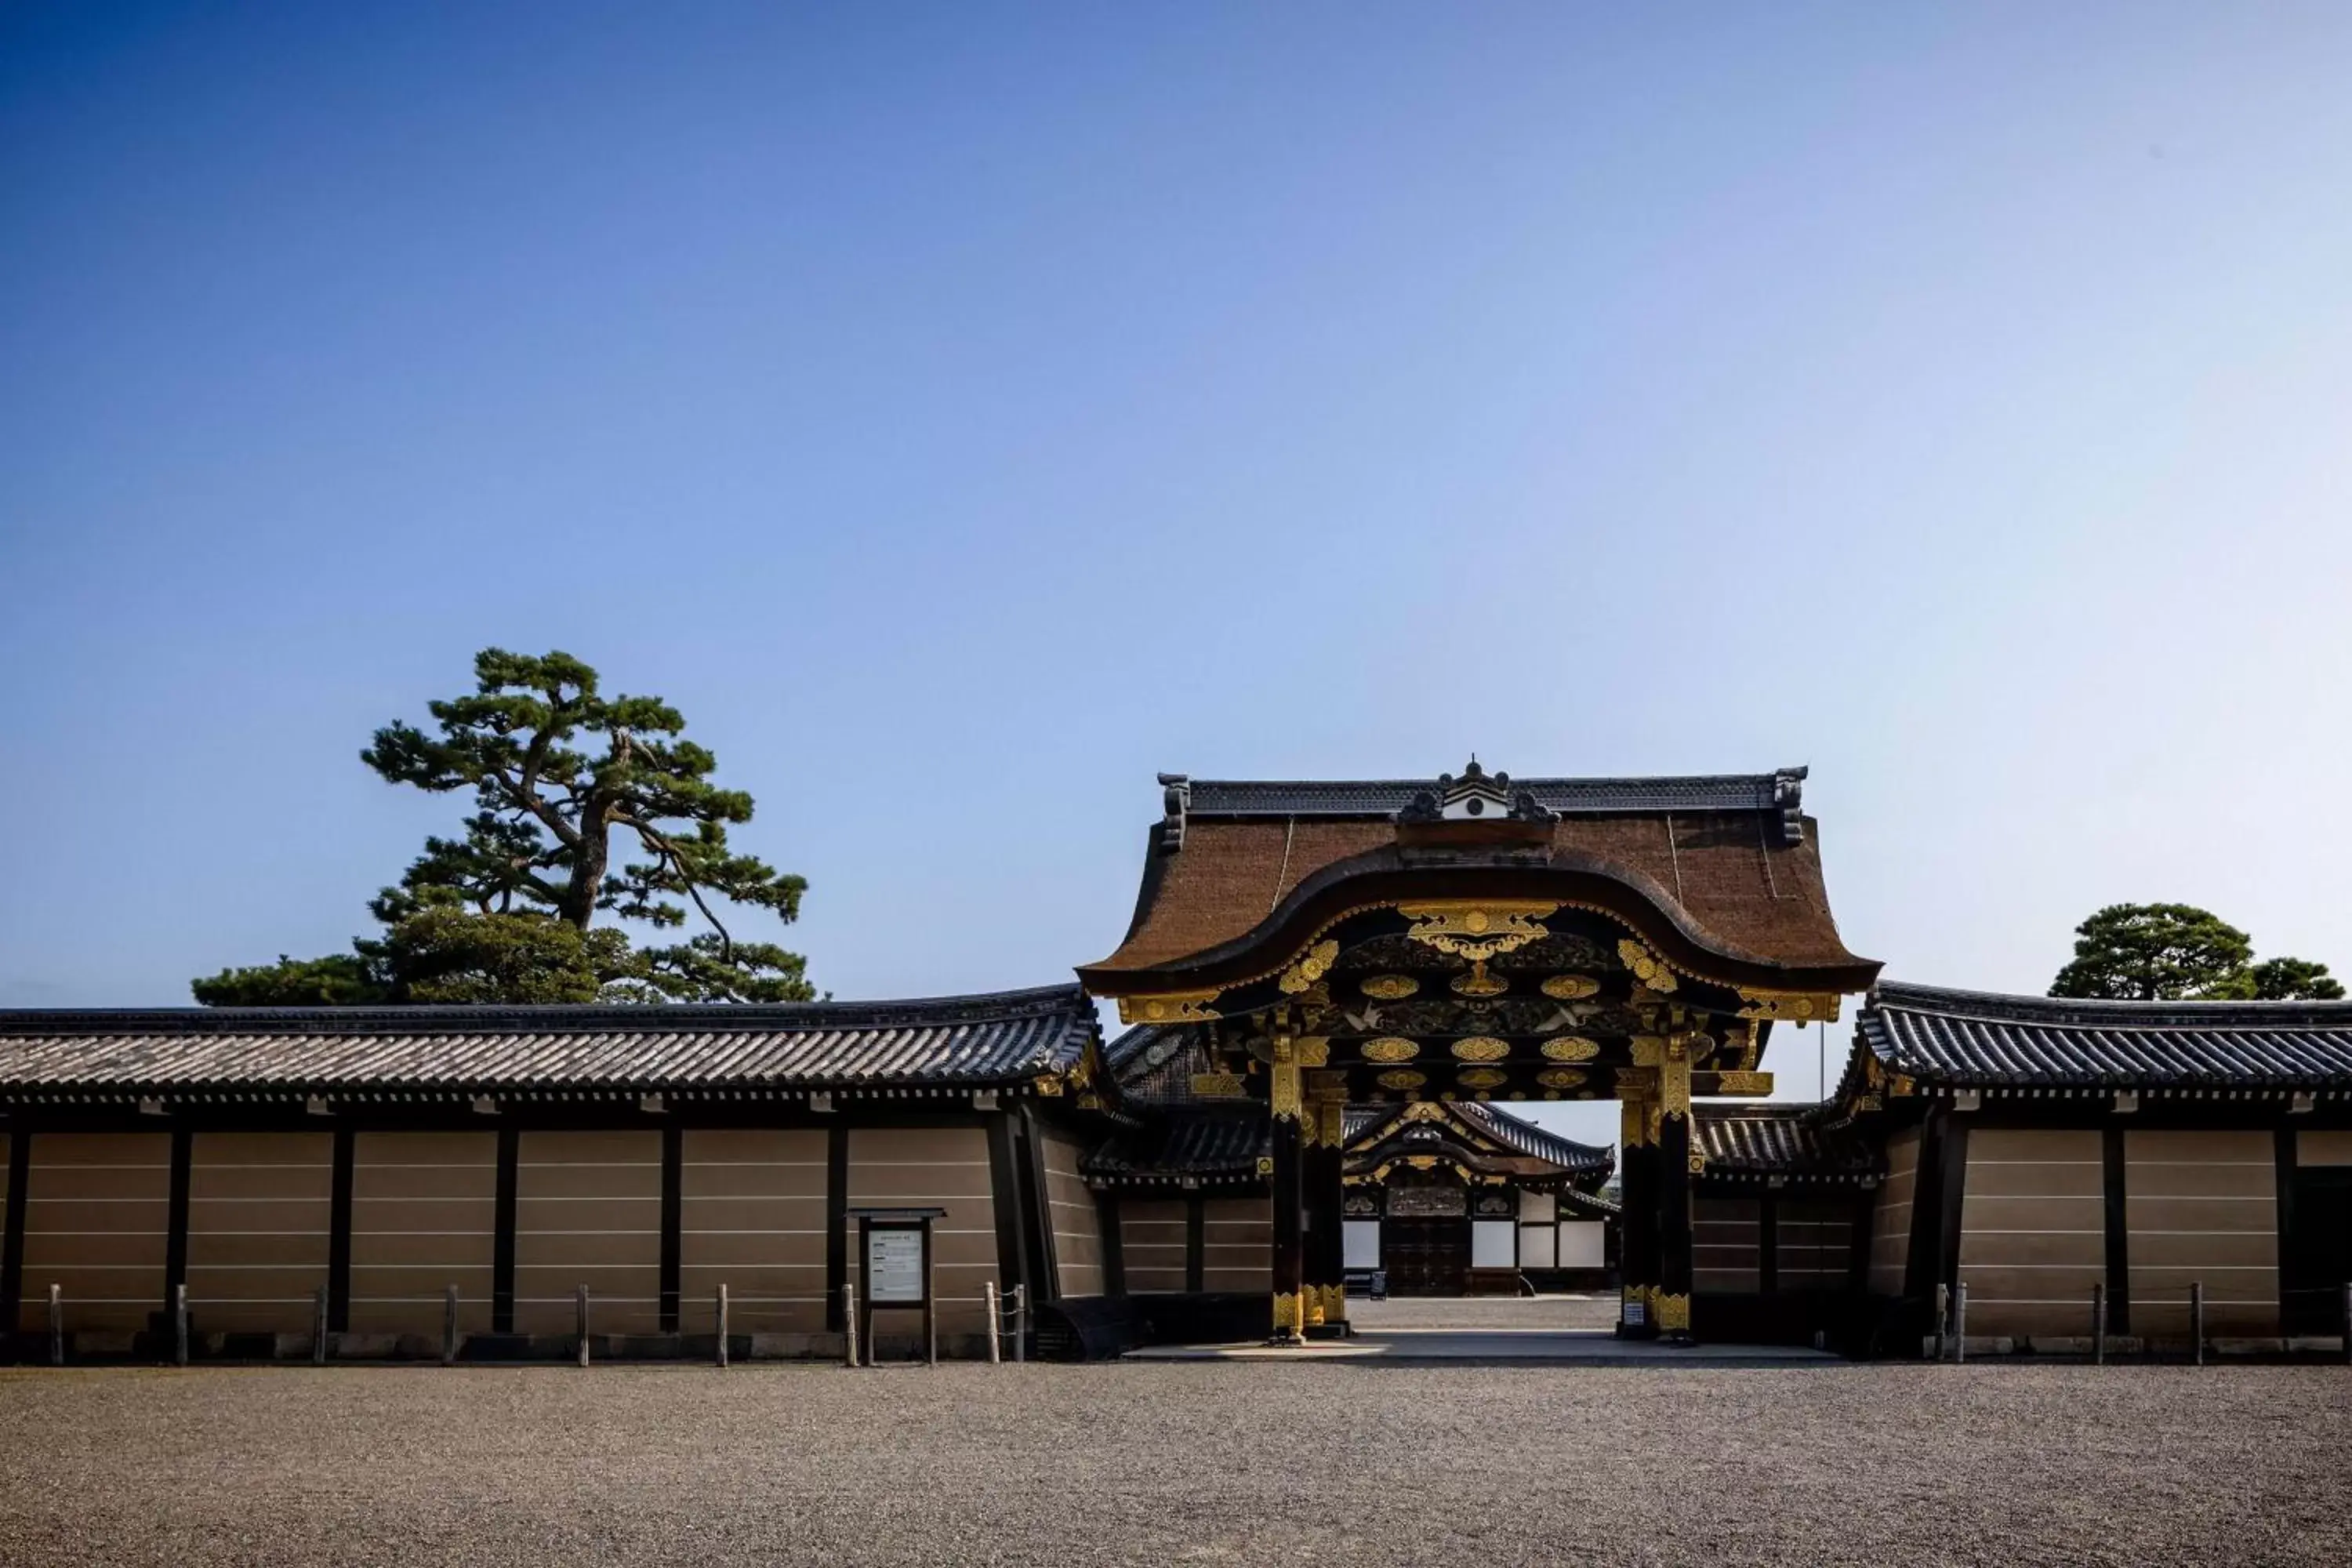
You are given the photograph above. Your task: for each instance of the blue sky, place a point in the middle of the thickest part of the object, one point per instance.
(964, 412)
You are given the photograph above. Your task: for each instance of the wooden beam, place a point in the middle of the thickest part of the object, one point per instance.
(2118, 1229)
(12, 1239)
(673, 1223)
(1196, 1236)
(502, 1253)
(339, 1236)
(836, 1232)
(1004, 1197)
(175, 1243)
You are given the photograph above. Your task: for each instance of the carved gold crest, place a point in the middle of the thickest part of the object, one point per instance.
(1561, 1077)
(1476, 930)
(1391, 1048)
(1476, 982)
(1480, 1049)
(1310, 967)
(1646, 966)
(1389, 987)
(1176, 1008)
(1571, 987)
(1570, 1049)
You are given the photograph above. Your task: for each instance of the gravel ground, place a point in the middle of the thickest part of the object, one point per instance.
(1177, 1464)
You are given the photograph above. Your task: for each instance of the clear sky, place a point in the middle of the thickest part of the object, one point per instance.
(963, 412)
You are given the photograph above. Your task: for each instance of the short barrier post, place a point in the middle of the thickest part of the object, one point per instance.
(1943, 1316)
(2197, 1321)
(849, 1325)
(57, 1327)
(2098, 1325)
(180, 1325)
(1961, 1322)
(582, 1311)
(449, 1327)
(319, 1327)
(721, 1311)
(1021, 1323)
(995, 1325)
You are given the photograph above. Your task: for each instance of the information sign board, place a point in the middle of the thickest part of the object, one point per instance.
(894, 1266)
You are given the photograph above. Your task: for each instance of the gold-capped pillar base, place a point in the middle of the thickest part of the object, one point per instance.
(1289, 1325)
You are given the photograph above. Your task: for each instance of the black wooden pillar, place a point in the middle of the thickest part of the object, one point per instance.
(1290, 1197)
(1325, 1299)
(339, 1233)
(11, 1246)
(175, 1236)
(1638, 1218)
(1672, 1163)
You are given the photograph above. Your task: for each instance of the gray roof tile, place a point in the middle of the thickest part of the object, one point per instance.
(1385, 797)
(1969, 1038)
(946, 1041)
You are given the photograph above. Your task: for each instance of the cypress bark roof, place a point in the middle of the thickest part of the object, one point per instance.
(950, 1041)
(1728, 865)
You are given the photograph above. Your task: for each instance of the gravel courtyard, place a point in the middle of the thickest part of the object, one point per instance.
(1175, 1463)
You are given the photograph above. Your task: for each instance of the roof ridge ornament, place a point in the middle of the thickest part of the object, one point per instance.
(1175, 799)
(1788, 800)
(1475, 794)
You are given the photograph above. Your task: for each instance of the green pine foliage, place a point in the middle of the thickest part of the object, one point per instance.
(2178, 952)
(507, 911)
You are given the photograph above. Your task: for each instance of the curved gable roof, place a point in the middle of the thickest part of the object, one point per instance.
(1727, 864)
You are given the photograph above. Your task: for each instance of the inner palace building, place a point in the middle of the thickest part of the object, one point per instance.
(1330, 992)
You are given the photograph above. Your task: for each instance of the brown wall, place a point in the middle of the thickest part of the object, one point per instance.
(752, 1216)
(1078, 1224)
(2202, 1206)
(97, 1210)
(1814, 1244)
(259, 1216)
(588, 1212)
(2033, 1229)
(1890, 1218)
(423, 1217)
(1237, 1244)
(2325, 1148)
(1152, 1242)
(1726, 1245)
(932, 1168)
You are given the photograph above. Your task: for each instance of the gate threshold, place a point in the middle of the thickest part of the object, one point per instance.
(1588, 1347)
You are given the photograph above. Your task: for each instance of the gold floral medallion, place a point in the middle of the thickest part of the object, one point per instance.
(1391, 1048)
(1404, 1081)
(1389, 987)
(1570, 1049)
(1571, 987)
(1480, 1049)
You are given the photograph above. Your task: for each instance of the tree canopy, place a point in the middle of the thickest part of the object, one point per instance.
(2294, 980)
(2177, 952)
(504, 912)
